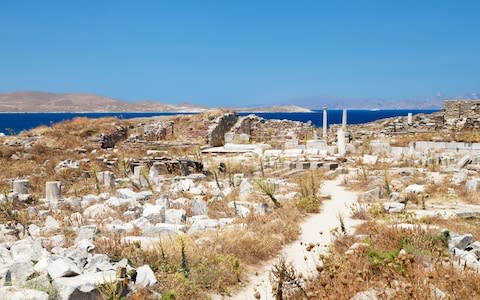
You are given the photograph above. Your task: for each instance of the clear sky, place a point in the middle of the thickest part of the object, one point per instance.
(241, 52)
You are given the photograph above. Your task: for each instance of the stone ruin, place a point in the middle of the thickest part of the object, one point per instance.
(221, 125)
(109, 140)
(158, 131)
(459, 109)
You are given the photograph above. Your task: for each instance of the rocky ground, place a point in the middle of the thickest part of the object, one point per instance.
(213, 205)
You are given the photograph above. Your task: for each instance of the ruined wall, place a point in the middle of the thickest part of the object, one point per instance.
(458, 109)
(109, 140)
(221, 125)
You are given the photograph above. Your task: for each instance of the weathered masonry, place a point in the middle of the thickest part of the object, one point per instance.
(458, 109)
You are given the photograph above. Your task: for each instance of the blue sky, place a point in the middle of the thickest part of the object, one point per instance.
(241, 52)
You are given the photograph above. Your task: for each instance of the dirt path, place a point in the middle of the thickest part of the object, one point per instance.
(315, 229)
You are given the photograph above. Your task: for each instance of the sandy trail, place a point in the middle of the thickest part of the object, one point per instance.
(314, 229)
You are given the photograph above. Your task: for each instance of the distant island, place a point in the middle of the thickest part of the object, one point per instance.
(18, 102)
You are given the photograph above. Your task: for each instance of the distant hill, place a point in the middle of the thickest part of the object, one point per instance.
(434, 102)
(77, 102)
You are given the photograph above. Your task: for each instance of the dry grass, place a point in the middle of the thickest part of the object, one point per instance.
(225, 254)
(379, 266)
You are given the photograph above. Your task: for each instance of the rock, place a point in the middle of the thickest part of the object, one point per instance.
(371, 195)
(459, 177)
(183, 185)
(142, 223)
(51, 224)
(369, 159)
(86, 232)
(98, 211)
(42, 265)
(163, 228)
(356, 246)
(89, 200)
(17, 293)
(20, 270)
(437, 293)
(118, 226)
(175, 216)
(461, 242)
(261, 209)
(464, 161)
(202, 224)
(370, 294)
(199, 207)
(67, 164)
(246, 188)
(472, 185)
(129, 194)
(34, 230)
(415, 188)
(63, 267)
(82, 286)
(240, 210)
(145, 276)
(27, 250)
(98, 263)
(466, 258)
(394, 207)
(154, 213)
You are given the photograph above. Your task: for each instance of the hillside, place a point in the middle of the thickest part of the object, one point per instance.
(77, 102)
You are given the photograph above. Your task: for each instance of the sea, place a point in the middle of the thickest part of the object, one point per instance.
(14, 123)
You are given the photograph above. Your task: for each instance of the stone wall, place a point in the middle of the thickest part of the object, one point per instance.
(109, 140)
(221, 125)
(458, 109)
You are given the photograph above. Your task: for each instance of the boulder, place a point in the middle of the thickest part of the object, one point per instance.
(20, 271)
(246, 188)
(393, 207)
(199, 207)
(459, 177)
(17, 293)
(415, 188)
(472, 185)
(97, 211)
(86, 232)
(371, 195)
(461, 241)
(27, 249)
(63, 267)
(145, 276)
(175, 216)
(51, 224)
(142, 223)
(464, 161)
(369, 159)
(82, 286)
(154, 213)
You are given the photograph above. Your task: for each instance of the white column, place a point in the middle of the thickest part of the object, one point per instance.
(410, 119)
(53, 191)
(344, 119)
(325, 124)
(341, 142)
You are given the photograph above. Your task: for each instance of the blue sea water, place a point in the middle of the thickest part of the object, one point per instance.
(16, 122)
